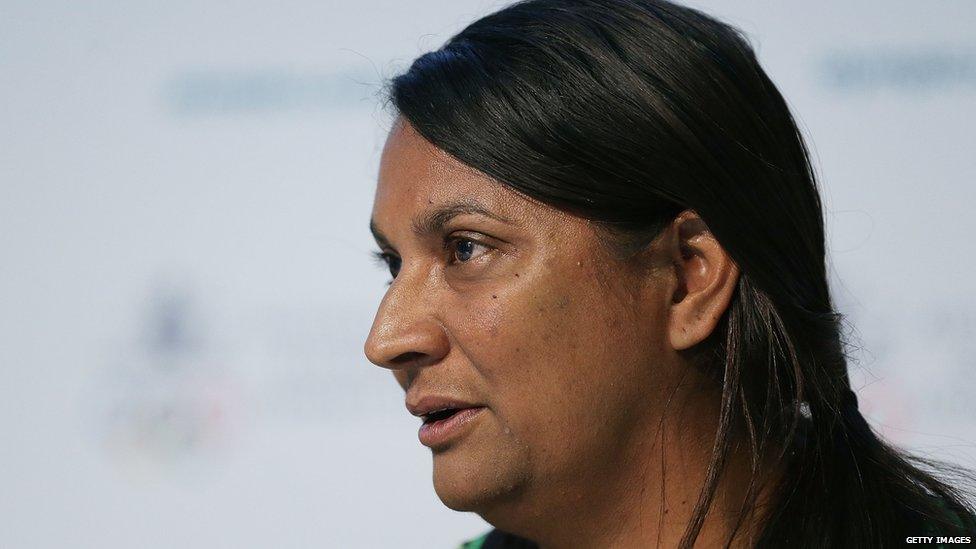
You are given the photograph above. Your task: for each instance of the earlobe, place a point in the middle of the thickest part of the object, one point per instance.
(706, 277)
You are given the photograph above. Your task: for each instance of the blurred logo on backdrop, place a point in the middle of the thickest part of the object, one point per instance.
(193, 384)
(167, 397)
(916, 70)
(224, 91)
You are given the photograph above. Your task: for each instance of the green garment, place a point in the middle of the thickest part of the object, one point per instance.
(475, 543)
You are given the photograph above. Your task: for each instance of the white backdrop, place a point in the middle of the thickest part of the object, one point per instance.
(185, 285)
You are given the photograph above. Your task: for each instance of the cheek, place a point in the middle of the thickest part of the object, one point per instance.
(564, 369)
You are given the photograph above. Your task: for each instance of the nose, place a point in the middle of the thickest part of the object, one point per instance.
(405, 331)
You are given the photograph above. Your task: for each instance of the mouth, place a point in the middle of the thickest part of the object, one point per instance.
(447, 426)
(440, 415)
(444, 419)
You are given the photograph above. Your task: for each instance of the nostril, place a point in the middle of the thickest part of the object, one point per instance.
(406, 358)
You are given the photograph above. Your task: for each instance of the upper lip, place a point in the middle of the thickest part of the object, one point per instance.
(427, 404)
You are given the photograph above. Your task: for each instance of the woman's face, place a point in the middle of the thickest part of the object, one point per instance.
(551, 354)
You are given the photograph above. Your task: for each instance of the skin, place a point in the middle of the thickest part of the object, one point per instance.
(598, 428)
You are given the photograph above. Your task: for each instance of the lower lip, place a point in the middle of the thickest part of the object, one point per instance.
(439, 432)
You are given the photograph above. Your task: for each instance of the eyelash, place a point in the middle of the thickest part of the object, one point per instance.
(384, 259)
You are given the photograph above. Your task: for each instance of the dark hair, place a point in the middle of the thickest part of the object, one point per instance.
(627, 112)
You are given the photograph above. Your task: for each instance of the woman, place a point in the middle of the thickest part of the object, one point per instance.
(609, 302)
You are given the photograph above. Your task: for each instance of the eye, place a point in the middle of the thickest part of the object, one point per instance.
(465, 249)
(392, 262)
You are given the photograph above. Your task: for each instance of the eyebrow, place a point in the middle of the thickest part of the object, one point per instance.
(434, 220)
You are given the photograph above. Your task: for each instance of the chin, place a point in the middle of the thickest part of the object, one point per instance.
(475, 481)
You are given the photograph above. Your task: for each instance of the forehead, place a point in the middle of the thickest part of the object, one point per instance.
(415, 175)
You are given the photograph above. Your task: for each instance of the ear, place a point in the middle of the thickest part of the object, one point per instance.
(706, 279)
